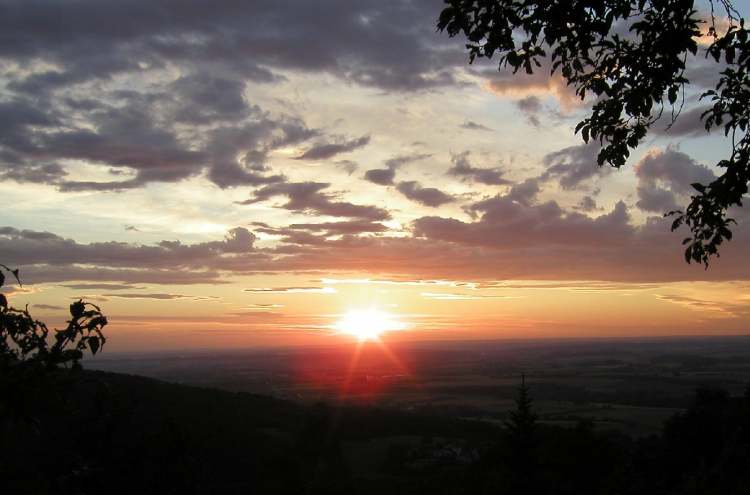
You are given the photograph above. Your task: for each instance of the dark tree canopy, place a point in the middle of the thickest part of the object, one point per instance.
(631, 56)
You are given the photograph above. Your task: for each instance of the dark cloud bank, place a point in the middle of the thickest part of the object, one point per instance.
(63, 107)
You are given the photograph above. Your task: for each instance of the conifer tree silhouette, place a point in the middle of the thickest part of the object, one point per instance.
(521, 433)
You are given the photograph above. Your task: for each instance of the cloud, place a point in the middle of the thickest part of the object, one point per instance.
(262, 307)
(401, 160)
(540, 84)
(507, 223)
(688, 124)
(324, 150)
(381, 176)
(101, 286)
(523, 193)
(159, 296)
(165, 259)
(387, 46)
(292, 290)
(665, 178)
(506, 241)
(656, 199)
(204, 99)
(50, 173)
(302, 233)
(386, 176)
(349, 227)
(474, 126)
(463, 168)
(450, 296)
(307, 197)
(574, 165)
(127, 135)
(531, 106)
(730, 309)
(348, 166)
(49, 272)
(428, 196)
(587, 204)
(48, 306)
(151, 98)
(402, 281)
(251, 141)
(675, 168)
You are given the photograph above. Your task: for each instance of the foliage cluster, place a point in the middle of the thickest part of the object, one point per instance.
(631, 56)
(25, 341)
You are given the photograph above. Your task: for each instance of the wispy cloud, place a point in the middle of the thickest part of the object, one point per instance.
(291, 290)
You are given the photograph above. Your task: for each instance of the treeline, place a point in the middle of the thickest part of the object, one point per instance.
(86, 432)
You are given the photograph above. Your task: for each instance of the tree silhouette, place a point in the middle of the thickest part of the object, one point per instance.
(24, 341)
(29, 354)
(631, 56)
(521, 434)
(319, 447)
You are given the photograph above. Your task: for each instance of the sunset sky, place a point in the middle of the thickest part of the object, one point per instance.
(232, 174)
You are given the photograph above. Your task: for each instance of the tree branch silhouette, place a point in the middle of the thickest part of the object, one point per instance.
(631, 56)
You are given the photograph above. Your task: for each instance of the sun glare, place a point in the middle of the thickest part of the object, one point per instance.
(368, 324)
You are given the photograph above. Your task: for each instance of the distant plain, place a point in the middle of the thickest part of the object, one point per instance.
(628, 384)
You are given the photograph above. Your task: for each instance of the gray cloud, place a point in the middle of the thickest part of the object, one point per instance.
(204, 99)
(688, 124)
(324, 151)
(574, 165)
(348, 166)
(160, 296)
(474, 126)
(49, 272)
(675, 168)
(505, 222)
(398, 161)
(308, 197)
(128, 136)
(381, 176)
(656, 199)
(386, 176)
(25, 247)
(101, 286)
(524, 192)
(64, 105)
(665, 178)
(370, 43)
(291, 290)
(428, 196)
(531, 106)
(48, 306)
(587, 204)
(508, 240)
(316, 234)
(341, 228)
(463, 168)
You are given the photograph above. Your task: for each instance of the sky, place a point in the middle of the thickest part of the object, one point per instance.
(234, 174)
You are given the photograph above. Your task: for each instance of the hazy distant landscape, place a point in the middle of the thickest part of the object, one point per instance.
(628, 384)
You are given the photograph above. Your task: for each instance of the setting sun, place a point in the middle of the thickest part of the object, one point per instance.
(368, 324)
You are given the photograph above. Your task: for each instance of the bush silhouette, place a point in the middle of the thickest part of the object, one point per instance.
(25, 341)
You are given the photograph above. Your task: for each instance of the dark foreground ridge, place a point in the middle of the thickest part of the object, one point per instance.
(90, 432)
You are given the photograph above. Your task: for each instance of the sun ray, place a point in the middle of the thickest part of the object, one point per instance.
(345, 386)
(398, 363)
